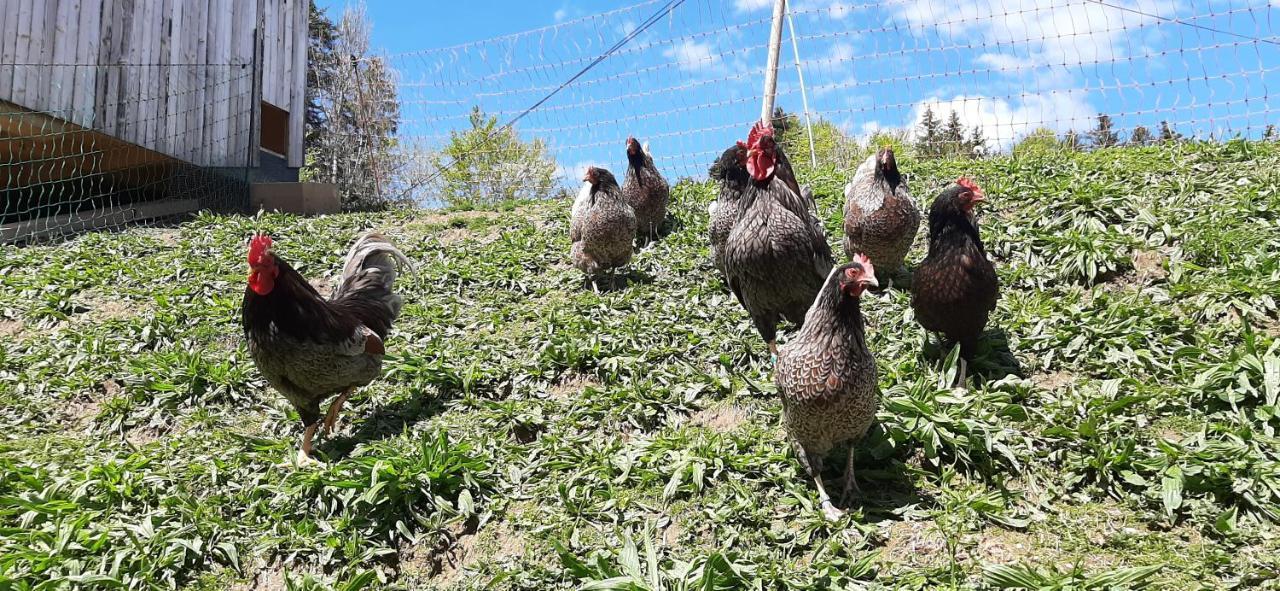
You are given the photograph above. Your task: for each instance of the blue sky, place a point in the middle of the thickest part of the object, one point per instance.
(692, 83)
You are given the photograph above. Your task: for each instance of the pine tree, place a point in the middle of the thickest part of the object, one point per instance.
(1104, 136)
(1141, 136)
(953, 135)
(1167, 134)
(352, 112)
(1270, 134)
(930, 133)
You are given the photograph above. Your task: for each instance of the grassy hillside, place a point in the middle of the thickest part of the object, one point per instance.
(531, 434)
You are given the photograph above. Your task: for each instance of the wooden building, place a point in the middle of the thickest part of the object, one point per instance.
(104, 87)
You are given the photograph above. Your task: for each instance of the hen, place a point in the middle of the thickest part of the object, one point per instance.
(730, 171)
(955, 287)
(776, 256)
(602, 225)
(880, 219)
(310, 348)
(645, 190)
(827, 376)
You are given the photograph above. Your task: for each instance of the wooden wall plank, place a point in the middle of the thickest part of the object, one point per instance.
(35, 39)
(220, 108)
(9, 46)
(62, 77)
(22, 51)
(88, 39)
(298, 100)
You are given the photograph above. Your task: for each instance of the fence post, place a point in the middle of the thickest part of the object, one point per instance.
(771, 71)
(804, 96)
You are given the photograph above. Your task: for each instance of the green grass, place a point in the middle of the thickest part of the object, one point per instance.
(531, 434)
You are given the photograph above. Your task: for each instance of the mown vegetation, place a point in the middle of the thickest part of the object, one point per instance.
(531, 434)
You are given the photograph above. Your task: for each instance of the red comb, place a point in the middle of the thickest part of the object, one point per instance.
(968, 184)
(258, 248)
(758, 131)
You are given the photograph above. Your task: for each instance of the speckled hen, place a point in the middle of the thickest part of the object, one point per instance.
(955, 288)
(309, 348)
(730, 171)
(777, 256)
(645, 190)
(880, 219)
(602, 226)
(826, 375)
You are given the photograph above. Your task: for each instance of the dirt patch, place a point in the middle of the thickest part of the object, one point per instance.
(721, 419)
(11, 328)
(271, 578)
(1148, 266)
(1004, 547)
(1053, 382)
(462, 550)
(323, 285)
(100, 308)
(916, 544)
(571, 385)
(456, 235)
(165, 236)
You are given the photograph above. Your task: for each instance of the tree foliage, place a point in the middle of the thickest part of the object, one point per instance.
(1141, 136)
(488, 165)
(352, 112)
(1104, 135)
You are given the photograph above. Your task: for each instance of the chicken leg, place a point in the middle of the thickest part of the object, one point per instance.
(773, 352)
(814, 467)
(304, 450)
(850, 485)
(331, 417)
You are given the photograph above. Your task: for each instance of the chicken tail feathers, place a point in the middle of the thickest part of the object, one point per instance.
(367, 280)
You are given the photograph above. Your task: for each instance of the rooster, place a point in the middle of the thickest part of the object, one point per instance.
(645, 190)
(776, 257)
(955, 288)
(602, 226)
(880, 219)
(826, 375)
(310, 348)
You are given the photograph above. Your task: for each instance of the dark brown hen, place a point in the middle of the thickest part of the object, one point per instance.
(645, 190)
(776, 257)
(730, 170)
(826, 375)
(880, 219)
(309, 348)
(955, 288)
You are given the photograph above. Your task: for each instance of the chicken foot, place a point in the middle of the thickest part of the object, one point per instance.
(304, 450)
(814, 467)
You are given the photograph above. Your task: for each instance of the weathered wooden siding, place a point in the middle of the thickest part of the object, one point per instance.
(284, 65)
(175, 76)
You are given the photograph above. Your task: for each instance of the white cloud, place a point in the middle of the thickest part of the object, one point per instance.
(691, 56)
(560, 14)
(1004, 121)
(625, 27)
(1054, 31)
(751, 5)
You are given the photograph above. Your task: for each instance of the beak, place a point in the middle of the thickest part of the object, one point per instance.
(586, 177)
(870, 282)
